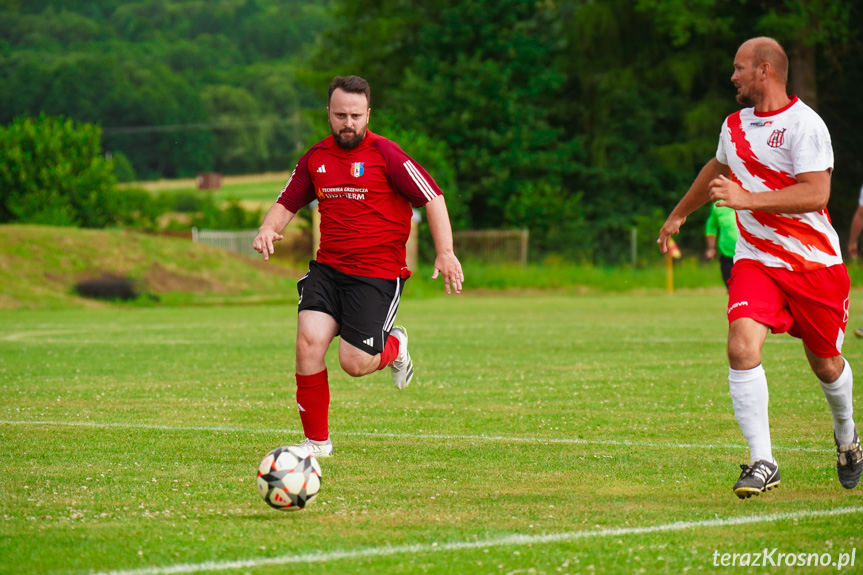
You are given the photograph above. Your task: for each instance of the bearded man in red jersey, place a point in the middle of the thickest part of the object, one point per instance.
(773, 166)
(366, 187)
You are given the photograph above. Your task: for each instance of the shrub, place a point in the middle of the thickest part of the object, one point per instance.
(123, 168)
(188, 202)
(52, 172)
(136, 208)
(232, 216)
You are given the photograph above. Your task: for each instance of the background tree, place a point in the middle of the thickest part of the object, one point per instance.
(479, 77)
(157, 74)
(577, 119)
(823, 41)
(52, 172)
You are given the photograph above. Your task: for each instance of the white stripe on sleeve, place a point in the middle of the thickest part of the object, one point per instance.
(288, 184)
(420, 181)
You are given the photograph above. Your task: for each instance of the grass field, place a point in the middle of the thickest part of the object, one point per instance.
(542, 434)
(257, 192)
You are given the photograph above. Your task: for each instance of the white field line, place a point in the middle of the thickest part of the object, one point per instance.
(39, 334)
(443, 437)
(514, 540)
(39, 337)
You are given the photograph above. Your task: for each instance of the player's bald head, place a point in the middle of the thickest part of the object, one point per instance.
(766, 50)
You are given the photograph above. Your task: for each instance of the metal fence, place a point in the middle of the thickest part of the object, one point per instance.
(492, 246)
(235, 242)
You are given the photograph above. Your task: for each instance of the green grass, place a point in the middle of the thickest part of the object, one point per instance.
(587, 425)
(265, 192)
(40, 265)
(254, 191)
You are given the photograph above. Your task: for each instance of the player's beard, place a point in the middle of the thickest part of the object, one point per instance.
(748, 99)
(745, 100)
(348, 140)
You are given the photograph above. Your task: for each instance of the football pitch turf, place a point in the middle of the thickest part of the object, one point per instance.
(542, 433)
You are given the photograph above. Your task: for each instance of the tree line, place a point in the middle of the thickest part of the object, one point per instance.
(578, 120)
(178, 87)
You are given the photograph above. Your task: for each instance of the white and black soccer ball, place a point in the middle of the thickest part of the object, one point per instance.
(289, 478)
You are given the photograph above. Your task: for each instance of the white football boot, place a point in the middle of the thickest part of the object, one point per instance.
(317, 448)
(402, 368)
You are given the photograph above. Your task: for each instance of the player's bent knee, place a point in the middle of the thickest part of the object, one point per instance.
(349, 367)
(827, 369)
(356, 362)
(743, 356)
(355, 367)
(311, 346)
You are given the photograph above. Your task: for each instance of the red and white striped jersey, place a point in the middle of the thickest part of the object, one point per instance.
(364, 198)
(765, 152)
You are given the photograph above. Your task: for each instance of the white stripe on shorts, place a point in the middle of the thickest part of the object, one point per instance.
(394, 306)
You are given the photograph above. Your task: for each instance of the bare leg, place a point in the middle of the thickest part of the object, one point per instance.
(357, 362)
(827, 369)
(745, 340)
(315, 331)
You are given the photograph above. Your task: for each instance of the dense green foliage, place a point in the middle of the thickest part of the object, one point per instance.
(52, 172)
(579, 120)
(218, 74)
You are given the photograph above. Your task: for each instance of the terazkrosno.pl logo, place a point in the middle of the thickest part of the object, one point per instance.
(775, 558)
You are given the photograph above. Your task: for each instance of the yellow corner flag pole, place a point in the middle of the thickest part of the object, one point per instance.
(672, 254)
(669, 273)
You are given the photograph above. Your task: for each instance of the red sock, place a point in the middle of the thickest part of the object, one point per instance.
(313, 401)
(390, 352)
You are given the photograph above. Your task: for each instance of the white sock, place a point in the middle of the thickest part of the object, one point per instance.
(838, 396)
(749, 397)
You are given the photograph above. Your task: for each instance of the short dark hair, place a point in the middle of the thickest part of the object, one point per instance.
(351, 85)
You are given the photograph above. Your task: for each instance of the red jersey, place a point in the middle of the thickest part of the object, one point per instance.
(364, 198)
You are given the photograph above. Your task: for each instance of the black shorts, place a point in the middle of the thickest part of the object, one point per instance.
(365, 308)
(725, 264)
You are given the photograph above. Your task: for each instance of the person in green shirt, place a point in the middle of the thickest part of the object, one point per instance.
(721, 234)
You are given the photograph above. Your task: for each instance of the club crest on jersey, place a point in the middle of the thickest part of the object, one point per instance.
(357, 169)
(776, 139)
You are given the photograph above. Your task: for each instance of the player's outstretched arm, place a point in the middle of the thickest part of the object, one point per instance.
(445, 263)
(271, 230)
(697, 195)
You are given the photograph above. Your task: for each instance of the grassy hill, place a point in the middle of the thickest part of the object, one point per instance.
(40, 265)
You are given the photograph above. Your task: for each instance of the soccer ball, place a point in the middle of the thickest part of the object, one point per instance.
(289, 478)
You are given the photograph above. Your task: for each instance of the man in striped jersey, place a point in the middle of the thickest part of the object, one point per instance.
(365, 186)
(773, 165)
